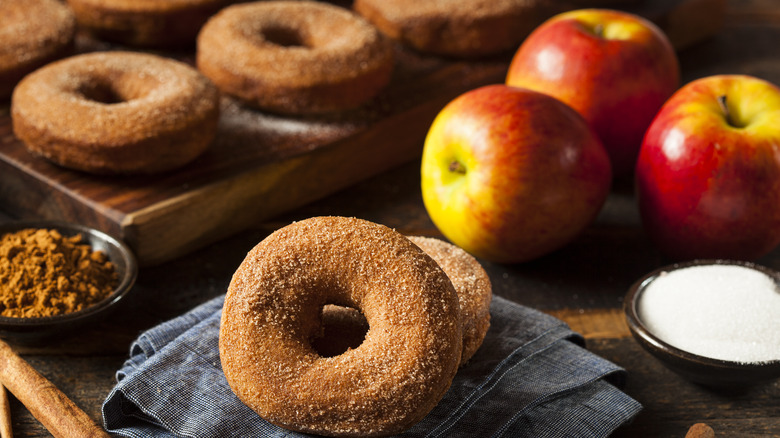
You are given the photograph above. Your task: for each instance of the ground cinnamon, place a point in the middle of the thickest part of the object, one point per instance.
(43, 273)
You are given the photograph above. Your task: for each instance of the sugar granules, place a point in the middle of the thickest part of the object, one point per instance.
(727, 312)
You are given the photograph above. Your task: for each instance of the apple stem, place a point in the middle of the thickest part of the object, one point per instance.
(725, 108)
(599, 30)
(457, 167)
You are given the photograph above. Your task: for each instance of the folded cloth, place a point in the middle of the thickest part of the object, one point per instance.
(530, 378)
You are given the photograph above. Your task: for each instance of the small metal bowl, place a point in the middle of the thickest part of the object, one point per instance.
(41, 329)
(699, 369)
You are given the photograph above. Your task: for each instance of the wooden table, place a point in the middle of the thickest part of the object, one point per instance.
(584, 283)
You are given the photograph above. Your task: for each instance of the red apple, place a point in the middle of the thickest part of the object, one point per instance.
(509, 174)
(614, 68)
(708, 174)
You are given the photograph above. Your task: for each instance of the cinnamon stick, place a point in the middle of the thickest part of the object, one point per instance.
(60, 416)
(5, 415)
(700, 430)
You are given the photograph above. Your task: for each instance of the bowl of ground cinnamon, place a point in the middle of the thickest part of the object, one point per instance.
(57, 276)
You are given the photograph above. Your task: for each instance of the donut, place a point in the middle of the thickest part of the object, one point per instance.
(272, 310)
(457, 28)
(295, 58)
(146, 23)
(33, 33)
(472, 285)
(344, 327)
(116, 113)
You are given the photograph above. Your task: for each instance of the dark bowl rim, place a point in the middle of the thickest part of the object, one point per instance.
(120, 291)
(639, 329)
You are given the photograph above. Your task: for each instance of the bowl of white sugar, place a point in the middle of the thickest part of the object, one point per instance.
(715, 322)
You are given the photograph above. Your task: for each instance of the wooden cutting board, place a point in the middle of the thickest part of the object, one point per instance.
(262, 165)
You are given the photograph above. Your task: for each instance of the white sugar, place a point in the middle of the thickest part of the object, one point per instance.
(726, 312)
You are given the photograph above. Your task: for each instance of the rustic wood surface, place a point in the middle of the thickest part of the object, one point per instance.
(261, 165)
(583, 284)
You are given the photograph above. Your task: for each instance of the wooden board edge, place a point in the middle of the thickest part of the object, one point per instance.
(169, 229)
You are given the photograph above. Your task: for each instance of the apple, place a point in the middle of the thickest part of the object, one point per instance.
(614, 68)
(708, 173)
(510, 174)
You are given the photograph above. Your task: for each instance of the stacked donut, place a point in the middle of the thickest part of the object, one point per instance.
(146, 23)
(123, 112)
(111, 112)
(458, 28)
(420, 305)
(116, 112)
(34, 33)
(300, 57)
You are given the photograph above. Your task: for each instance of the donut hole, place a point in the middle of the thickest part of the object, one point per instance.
(285, 36)
(343, 329)
(101, 92)
(110, 90)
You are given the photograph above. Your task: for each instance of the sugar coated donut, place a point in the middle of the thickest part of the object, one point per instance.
(472, 284)
(146, 23)
(344, 327)
(116, 112)
(33, 33)
(458, 28)
(299, 57)
(272, 310)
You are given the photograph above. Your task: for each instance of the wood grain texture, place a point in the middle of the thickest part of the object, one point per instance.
(671, 405)
(595, 323)
(260, 164)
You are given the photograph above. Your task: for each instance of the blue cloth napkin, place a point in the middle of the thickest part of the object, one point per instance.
(530, 378)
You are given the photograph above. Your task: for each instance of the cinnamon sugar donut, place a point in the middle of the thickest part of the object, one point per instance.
(146, 23)
(344, 327)
(33, 33)
(472, 284)
(459, 28)
(299, 57)
(272, 310)
(116, 113)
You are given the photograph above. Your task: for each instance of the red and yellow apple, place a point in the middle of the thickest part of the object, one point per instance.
(708, 173)
(510, 174)
(614, 68)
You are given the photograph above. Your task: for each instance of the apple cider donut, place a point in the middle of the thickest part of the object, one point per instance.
(472, 285)
(272, 310)
(456, 28)
(299, 57)
(344, 327)
(146, 23)
(33, 33)
(116, 113)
